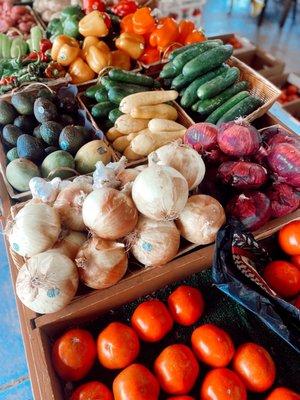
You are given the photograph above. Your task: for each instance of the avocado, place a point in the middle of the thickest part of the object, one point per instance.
(50, 149)
(44, 110)
(46, 94)
(50, 132)
(10, 134)
(30, 147)
(12, 154)
(26, 123)
(66, 119)
(7, 112)
(37, 132)
(23, 103)
(19, 172)
(88, 134)
(58, 159)
(71, 139)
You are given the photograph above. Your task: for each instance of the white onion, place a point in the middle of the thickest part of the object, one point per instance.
(101, 263)
(47, 282)
(109, 213)
(160, 192)
(127, 175)
(35, 229)
(70, 243)
(183, 158)
(201, 219)
(69, 205)
(154, 242)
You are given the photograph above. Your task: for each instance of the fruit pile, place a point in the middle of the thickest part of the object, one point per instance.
(289, 93)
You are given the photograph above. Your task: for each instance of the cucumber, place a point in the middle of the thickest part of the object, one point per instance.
(241, 109)
(190, 93)
(101, 95)
(169, 71)
(206, 107)
(114, 115)
(176, 52)
(181, 81)
(119, 75)
(102, 109)
(132, 88)
(220, 111)
(207, 61)
(218, 84)
(167, 82)
(91, 91)
(116, 95)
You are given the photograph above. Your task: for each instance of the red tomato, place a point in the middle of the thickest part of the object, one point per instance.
(255, 366)
(296, 302)
(296, 260)
(118, 346)
(222, 384)
(152, 320)
(212, 345)
(73, 354)
(135, 382)
(176, 369)
(92, 391)
(186, 305)
(289, 238)
(283, 393)
(181, 398)
(283, 277)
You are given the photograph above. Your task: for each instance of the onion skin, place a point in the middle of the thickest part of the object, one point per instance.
(238, 140)
(202, 137)
(253, 209)
(275, 134)
(242, 175)
(216, 157)
(284, 199)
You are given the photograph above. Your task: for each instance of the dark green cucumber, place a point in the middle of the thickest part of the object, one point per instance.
(181, 81)
(101, 94)
(206, 107)
(241, 109)
(116, 94)
(218, 84)
(220, 111)
(169, 71)
(91, 91)
(118, 75)
(102, 109)
(109, 84)
(114, 115)
(167, 82)
(190, 93)
(176, 52)
(207, 61)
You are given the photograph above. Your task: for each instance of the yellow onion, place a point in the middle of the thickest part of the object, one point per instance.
(69, 243)
(153, 242)
(201, 219)
(160, 192)
(109, 213)
(101, 263)
(127, 175)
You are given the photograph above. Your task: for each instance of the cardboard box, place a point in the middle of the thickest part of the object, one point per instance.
(265, 63)
(288, 115)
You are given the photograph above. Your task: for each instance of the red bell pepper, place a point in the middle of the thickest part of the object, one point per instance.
(124, 7)
(45, 44)
(92, 5)
(107, 20)
(151, 55)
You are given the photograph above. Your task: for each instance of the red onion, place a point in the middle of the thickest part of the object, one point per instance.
(238, 139)
(210, 186)
(253, 209)
(216, 157)
(275, 134)
(284, 199)
(242, 175)
(284, 160)
(201, 137)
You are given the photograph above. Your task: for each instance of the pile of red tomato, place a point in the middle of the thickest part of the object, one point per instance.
(289, 93)
(232, 372)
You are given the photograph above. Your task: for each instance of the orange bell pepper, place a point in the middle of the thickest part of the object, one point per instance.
(195, 37)
(127, 24)
(131, 43)
(59, 42)
(151, 55)
(142, 20)
(67, 54)
(80, 72)
(93, 24)
(120, 59)
(164, 34)
(185, 27)
(88, 41)
(97, 59)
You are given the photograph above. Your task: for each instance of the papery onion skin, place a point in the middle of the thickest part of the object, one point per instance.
(216, 157)
(284, 199)
(109, 213)
(202, 137)
(242, 175)
(253, 209)
(237, 139)
(275, 134)
(127, 175)
(154, 242)
(160, 192)
(284, 160)
(201, 219)
(70, 243)
(101, 263)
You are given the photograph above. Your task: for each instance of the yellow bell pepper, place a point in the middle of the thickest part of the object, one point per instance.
(59, 42)
(132, 43)
(80, 72)
(93, 24)
(88, 41)
(120, 59)
(67, 54)
(97, 59)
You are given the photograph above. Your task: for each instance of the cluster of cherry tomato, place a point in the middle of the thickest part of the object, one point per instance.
(177, 367)
(289, 93)
(284, 276)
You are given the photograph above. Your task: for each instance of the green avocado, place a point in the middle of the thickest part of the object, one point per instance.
(7, 112)
(26, 123)
(44, 110)
(46, 94)
(23, 103)
(12, 154)
(19, 172)
(66, 119)
(50, 149)
(50, 132)
(30, 147)
(57, 159)
(37, 132)
(10, 134)
(71, 139)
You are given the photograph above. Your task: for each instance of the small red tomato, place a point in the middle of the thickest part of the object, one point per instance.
(92, 391)
(289, 238)
(176, 369)
(181, 398)
(118, 346)
(296, 302)
(152, 320)
(283, 277)
(255, 366)
(212, 345)
(283, 393)
(186, 305)
(222, 384)
(296, 260)
(73, 354)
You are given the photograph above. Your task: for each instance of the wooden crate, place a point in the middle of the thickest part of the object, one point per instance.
(265, 63)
